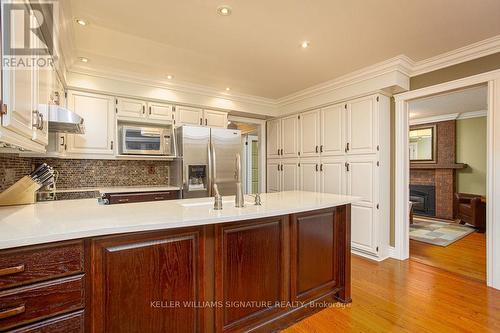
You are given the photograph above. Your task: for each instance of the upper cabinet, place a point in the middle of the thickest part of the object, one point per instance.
(310, 133)
(289, 136)
(98, 114)
(274, 138)
(132, 108)
(215, 118)
(160, 111)
(332, 131)
(362, 126)
(185, 115)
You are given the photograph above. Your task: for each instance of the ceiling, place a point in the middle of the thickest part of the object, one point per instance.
(256, 50)
(457, 102)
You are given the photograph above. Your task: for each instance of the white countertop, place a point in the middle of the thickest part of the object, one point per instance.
(53, 221)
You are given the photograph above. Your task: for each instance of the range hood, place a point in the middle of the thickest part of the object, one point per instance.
(62, 120)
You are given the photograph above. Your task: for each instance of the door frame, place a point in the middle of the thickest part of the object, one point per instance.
(402, 167)
(262, 146)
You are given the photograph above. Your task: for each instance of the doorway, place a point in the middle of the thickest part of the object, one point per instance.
(402, 167)
(448, 199)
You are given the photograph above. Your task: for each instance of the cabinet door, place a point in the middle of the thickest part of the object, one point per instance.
(309, 133)
(215, 118)
(135, 276)
(362, 126)
(159, 111)
(274, 138)
(309, 175)
(132, 108)
(188, 116)
(98, 114)
(333, 130)
(290, 175)
(332, 175)
(247, 253)
(44, 90)
(314, 235)
(273, 176)
(362, 182)
(18, 84)
(289, 136)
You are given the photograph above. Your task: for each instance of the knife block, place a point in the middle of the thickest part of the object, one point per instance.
(23, 192)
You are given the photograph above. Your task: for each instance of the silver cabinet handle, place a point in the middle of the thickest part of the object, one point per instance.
(40, 127)
(36, 116)
(112, 144)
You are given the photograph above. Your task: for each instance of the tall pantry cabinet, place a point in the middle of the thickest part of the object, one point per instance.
(341, 149)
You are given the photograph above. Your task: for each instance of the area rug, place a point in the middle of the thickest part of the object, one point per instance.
(437, 232)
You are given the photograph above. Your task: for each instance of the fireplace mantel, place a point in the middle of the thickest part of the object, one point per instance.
(430, 166)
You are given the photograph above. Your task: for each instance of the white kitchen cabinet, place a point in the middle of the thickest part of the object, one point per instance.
(333, 130)
(289, 175)
(309, 174)
(333, 173)
(132, 108)
(43, 95)
(214, 118)
(309, 133)
(99, 121)
(160, 111)
(273, 175)
(289, 137)
(186, 115)
(274, 138)
(362, 126)
(353, 158)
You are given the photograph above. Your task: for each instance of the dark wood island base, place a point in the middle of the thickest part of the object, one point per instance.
(247, 276)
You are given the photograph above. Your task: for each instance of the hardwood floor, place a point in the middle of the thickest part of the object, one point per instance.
(408, 296)
(466, 256)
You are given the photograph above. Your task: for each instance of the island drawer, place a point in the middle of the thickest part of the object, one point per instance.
(68, 323)
(120, 198)
(39, 263)
(27, 304)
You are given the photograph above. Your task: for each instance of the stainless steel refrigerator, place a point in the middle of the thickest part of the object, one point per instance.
(206, 156)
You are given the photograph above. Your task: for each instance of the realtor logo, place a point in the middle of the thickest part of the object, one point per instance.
(28, 32)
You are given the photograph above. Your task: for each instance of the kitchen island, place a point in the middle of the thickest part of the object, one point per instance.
(173, 266)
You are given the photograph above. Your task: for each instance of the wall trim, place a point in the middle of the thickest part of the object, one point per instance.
(391, 252)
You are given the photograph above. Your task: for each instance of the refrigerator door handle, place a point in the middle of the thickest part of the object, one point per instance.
(209, 171)
(214, 163)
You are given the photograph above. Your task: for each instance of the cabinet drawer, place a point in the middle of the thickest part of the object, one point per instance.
(118, 198)
(27, 304)
(39, 263)
(70, 323)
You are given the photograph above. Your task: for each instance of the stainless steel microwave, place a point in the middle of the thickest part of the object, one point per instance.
(146, 140)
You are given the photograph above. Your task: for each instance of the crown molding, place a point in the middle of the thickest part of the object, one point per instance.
(470, 52)
(473, 114)
(400, 63)
(434, 119)
(173, 86)
(449, 116)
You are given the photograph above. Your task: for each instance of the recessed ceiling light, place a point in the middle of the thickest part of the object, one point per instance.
(81, 22)
(83, 59)
(304, 44)
(170, 77)
(227, 89)
(224, 10)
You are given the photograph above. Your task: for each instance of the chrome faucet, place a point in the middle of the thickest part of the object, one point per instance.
(217, 198)
(240, 198)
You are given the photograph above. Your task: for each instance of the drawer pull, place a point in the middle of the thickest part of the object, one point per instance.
(11, 270)
(123, 200)
(159, 198)
(12, 312)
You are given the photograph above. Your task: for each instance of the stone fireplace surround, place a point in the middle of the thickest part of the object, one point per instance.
(442, 173)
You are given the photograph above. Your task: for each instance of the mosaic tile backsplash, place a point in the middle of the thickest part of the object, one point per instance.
(87, 173)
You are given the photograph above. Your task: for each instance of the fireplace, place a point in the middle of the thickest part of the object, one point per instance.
(424, 199)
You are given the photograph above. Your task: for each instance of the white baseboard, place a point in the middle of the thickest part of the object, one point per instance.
(367, 256)
(391, 252)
